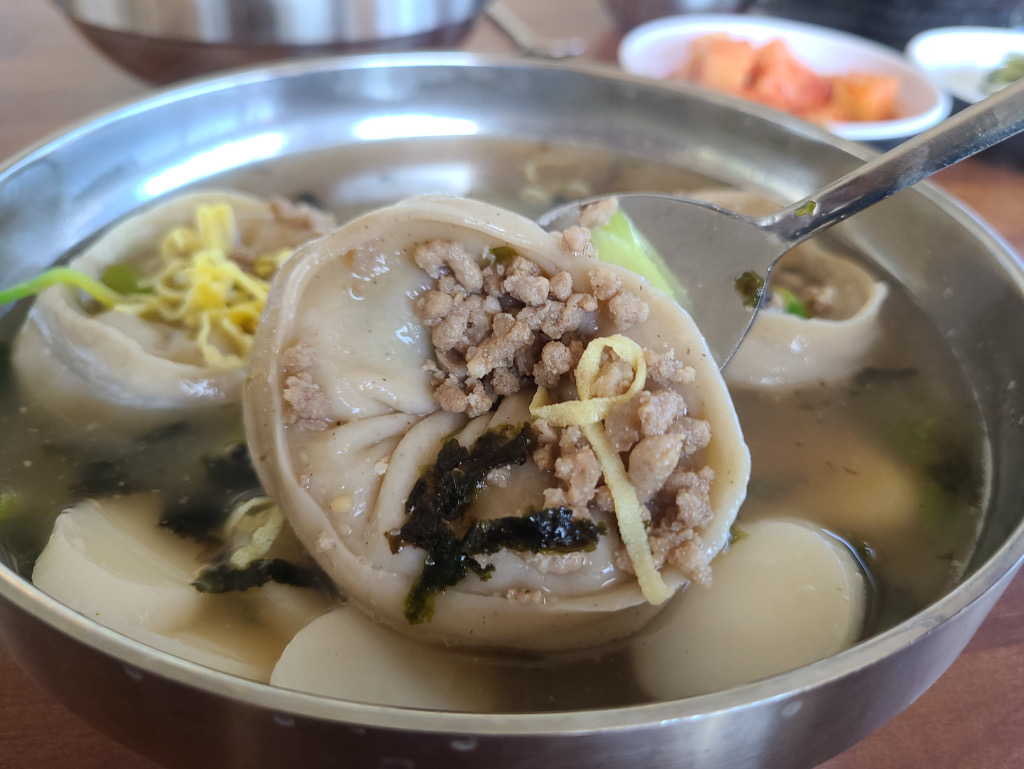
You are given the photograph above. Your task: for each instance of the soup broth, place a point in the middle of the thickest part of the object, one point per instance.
(892, 461)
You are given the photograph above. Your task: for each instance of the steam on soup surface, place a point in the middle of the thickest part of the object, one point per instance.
(889, 460)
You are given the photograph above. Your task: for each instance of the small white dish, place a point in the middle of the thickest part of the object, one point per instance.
(959, 59)
(659, 48)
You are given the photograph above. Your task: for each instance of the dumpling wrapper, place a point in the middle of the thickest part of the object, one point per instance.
(786, 350)
(344, 487)
(116, 372)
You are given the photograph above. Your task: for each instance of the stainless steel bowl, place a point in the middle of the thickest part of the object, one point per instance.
(258, 128)
(167, 41)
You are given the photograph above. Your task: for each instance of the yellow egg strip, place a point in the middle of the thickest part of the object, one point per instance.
(588, 414)
(629, 515)
(267, 265)
(217, 227)
(202, 289)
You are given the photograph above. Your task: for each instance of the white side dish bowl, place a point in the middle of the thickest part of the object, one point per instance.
(960, 58)
(659, 48)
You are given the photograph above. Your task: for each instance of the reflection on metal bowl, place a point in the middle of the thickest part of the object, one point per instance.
(163, 42)
(254, 129)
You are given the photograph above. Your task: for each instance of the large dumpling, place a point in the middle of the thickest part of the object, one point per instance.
(486, 436)
(173, 341)
(823, 319)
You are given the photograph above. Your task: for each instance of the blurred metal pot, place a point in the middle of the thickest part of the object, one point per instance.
(165, 41)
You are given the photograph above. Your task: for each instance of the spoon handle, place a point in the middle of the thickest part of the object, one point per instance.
(528, 41)
(976, 128)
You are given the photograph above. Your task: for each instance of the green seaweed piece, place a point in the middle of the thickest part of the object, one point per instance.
(227, 476)
(436, 509)
(452, 558)
(102, 478)
(223, 578)
(553, 530)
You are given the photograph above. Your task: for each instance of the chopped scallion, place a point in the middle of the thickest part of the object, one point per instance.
(791, 303)
(67, 276)
(125, 279)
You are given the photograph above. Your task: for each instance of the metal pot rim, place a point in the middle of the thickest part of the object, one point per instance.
(272, 22)
(997, 570)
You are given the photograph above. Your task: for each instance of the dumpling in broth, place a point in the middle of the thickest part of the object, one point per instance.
(444, 377)
(829, 328)
(178, 342)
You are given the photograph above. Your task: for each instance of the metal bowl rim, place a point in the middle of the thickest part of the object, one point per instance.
(219, 23)
(22, 594)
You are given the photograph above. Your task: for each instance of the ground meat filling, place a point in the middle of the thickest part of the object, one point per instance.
(304, 399)
(290, 225)
(501, 326)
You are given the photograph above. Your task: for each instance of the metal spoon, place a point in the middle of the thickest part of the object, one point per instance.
(709, 248)
(528, 41)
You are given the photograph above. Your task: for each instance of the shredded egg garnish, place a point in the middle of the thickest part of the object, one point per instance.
(588, 413)
(201, 289)
(259, 521)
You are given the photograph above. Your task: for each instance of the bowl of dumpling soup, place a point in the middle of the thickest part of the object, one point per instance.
(331, 450)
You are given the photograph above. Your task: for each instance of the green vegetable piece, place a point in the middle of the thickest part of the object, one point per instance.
(62, 276)
(619, 242)
(8, 504)
(437, 505)
(125, 279)
(1011, 71)
(736, 534)
(807, 208)
(750, 287)
(791, 303)
(503, 254)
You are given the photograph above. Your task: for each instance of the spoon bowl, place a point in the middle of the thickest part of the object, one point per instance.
(710, 248)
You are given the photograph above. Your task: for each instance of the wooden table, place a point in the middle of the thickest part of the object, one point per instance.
(974, 715)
